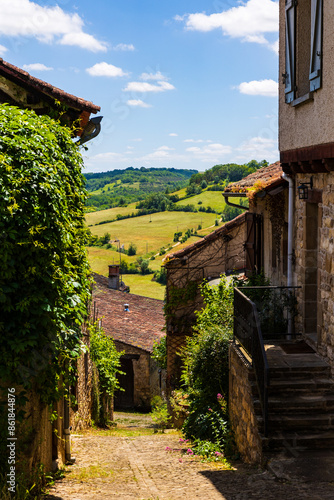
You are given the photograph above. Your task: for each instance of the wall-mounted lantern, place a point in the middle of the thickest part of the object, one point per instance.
(303, 189)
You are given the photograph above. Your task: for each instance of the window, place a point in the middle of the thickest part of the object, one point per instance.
(303, 50)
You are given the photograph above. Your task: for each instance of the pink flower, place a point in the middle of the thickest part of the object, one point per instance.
(180, 460)
(181, 440)
(190, 451)
(168, 448)
(217, 454)
(210, 409)
(220, 396)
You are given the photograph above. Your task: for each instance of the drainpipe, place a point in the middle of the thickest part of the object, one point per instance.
(290, 240)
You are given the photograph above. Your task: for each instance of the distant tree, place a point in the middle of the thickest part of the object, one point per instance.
(132, 250)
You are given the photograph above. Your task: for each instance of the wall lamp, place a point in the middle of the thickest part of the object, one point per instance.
(303, 189)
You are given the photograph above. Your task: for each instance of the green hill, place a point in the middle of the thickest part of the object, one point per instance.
(120, 187)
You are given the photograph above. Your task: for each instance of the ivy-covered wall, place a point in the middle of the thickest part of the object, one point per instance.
(44, 285)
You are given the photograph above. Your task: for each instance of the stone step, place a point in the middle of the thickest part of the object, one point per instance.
(297, 404)
(317, 385)
(290, 372)
(299, 422)
(299, 441)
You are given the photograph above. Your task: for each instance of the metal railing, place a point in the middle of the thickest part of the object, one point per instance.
(277, 310)
(247, 330)
(263, 314)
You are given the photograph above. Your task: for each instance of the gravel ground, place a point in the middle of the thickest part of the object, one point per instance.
(139, 467)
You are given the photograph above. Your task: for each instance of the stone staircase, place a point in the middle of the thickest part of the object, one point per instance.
(300, 403)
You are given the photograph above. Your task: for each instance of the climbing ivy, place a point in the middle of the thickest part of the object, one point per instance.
(44, 286)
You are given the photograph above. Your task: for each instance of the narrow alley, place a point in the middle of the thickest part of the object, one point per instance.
(131, 462)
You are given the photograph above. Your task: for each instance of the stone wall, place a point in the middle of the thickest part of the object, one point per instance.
(241, 409)
(146, 378)
(314, 269)
(80, 415)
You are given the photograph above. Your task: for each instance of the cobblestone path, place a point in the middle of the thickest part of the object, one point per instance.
(138, 467)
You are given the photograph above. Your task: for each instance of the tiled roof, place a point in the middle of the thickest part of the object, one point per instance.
(268, 176)
(218, 233)
(140, 327)
(21, 77)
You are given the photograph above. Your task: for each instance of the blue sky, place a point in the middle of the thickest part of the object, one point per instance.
(184, 84)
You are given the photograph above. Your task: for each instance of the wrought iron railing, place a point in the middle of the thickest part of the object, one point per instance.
(277, 310)
(247, 331)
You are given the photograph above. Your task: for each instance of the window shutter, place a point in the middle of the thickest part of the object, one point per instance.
(290, 50)
(316, 45)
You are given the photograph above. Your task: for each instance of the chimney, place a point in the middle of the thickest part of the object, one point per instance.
(113, 280)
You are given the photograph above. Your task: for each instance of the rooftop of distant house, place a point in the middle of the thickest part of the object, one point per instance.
(37, 86)
(265, 177)
(140, 327)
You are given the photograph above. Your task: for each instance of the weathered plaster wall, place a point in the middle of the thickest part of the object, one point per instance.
(312, 122)
(241, 409)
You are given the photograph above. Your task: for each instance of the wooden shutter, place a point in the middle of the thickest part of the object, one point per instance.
(290, 50)
(316, 45)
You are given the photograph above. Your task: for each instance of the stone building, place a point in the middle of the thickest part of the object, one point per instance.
(45, 442)
(220, 252)
(299, 407)
(135, 323)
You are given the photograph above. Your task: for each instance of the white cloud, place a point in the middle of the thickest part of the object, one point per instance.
(153, 76)
(46, 24)
(259, 147)
(124, 47)
(173, 135)
(84, 41)
(36, 67)
(148, 87)
(193, 140)
(107, 157)
(213, 152)
(138, 102)
(165, 148)
(105, 69)
(248, 21)
(268, 88)
(3, 50)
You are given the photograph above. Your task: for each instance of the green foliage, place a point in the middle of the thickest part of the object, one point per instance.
(230, 213)
(106, 358)
(161, 276)
(159, 352)
(132, 250)
(44, 287)
(205, 365)
(133, 185)
(159, 413)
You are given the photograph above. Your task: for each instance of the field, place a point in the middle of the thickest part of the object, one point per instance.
(213, 199)
(151, 232)
(109, 214)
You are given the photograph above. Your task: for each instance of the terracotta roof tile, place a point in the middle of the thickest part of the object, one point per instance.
(20, 76)
(269, 176)
(140, 327)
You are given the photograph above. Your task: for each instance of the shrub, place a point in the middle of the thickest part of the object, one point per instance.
(159, 413)
(132, 250)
